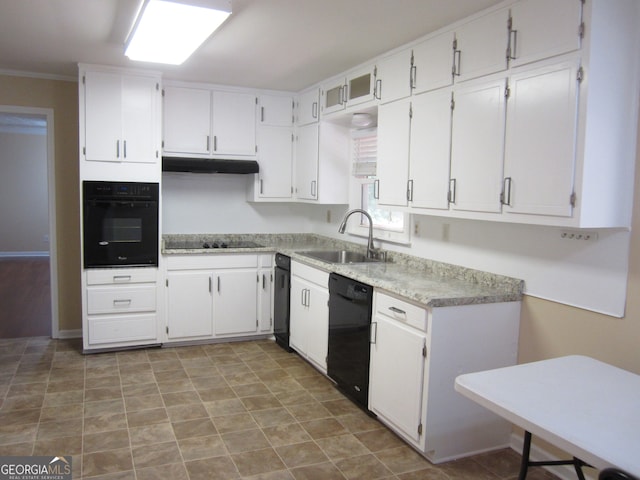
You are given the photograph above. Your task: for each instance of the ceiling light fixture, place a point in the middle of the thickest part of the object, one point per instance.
(169, 31)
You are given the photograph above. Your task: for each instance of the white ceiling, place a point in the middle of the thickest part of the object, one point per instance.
(272, 44)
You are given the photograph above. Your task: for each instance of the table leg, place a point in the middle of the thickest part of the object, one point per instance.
(524, 462)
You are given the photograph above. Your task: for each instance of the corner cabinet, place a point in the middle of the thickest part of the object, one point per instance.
(309, 327)
(215, 296)
(417, 353)
(120, 129)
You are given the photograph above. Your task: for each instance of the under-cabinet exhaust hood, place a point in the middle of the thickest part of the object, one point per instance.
(208, 165)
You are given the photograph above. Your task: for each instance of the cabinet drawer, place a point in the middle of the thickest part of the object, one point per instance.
(117, 276)
(400, 310)
(122, 328)
(120, 300)
(311, 274)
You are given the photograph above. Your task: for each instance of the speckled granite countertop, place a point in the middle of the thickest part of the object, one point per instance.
(427, 282)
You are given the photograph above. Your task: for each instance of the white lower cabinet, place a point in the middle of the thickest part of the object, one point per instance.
(214, 296)
(265, 294)
(119, 308)
(417, 353)
(309, 325)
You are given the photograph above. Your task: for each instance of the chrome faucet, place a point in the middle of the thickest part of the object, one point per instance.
(371, 251)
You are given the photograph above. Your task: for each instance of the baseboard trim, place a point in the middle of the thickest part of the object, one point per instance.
(65, 334)
(24, 254)
(538, 454)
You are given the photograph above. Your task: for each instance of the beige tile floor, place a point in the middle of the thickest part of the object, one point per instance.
(238, 410)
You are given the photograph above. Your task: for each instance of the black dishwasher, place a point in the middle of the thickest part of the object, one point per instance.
(349, 334)
(281, 293)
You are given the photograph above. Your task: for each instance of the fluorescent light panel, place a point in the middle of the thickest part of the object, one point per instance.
(170, 31)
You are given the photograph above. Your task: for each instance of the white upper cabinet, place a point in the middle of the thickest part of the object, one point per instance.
(429, 150)
(433, 63)
(307, 151)
(477, 141)
(543, 28)
(393, 79)
(540, 140)
(308, 107)
(187, 120)
(121, 117)
(234, 126)
(209, 123)
(275, 111)
(480, 46)
(357, 88)
(275, 157)
(394, 124)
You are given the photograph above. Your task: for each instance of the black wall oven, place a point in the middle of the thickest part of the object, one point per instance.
(120, 224)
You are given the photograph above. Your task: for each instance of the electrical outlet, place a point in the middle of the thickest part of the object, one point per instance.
(416, 228)
(578, 235)
(445, 232)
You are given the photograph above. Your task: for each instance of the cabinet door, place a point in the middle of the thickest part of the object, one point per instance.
(309, 107)
(334, 97)
(265, 295)
(307, 162)
(187, 120)
(481, 46)
(276, 111)
(543, 28)
(234, 124)
(318, 325)
(140, 119)
(275, 156)
(430, 149)
(189, 305)
(103, 116)
(394, 123)
(397, 375)
(393, 79)
(433, 63)
(361, 86)
(235, 302)
(477, 145)
(540, 140)
(299, 313)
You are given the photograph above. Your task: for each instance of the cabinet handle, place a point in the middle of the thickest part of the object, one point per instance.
(209, 284)
(373, 333)
(452, 191)
(410, 190)
(376, 189)
(412, 77)
(218, 284)
(377, 91)
(456, 63)
(117, 148)
(344, 95)
(302, 296)
(397, 310)
(314, 110)
(208, 142)
(215, 143)
(264, 281)
(313, 188)
(124, 148)
(512, 45)
(505, 196)
(260, 186)
(121, 278)
(262, 114)
(122, 302)
(308, 303)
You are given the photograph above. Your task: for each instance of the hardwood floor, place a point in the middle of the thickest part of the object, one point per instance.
(25, 297)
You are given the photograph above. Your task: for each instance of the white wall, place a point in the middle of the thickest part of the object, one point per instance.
(24, 217)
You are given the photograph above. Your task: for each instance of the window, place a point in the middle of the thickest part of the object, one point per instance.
(388, 225)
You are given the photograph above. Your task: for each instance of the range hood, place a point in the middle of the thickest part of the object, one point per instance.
(208, 165)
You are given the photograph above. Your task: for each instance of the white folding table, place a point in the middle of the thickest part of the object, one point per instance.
(585, 407)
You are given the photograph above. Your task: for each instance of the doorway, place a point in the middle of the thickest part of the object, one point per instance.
(28, 266)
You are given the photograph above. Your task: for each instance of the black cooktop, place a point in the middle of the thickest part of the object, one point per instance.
(214, 244)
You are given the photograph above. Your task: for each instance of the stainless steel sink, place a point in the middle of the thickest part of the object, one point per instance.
(338, 256)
